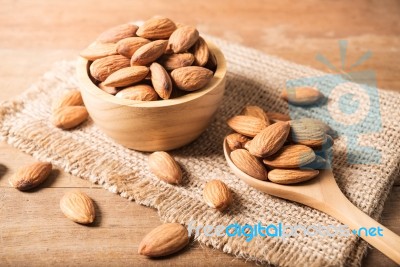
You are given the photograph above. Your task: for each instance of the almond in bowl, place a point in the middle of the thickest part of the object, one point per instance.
(153, 88)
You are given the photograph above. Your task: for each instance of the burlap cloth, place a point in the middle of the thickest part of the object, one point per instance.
(253, 78)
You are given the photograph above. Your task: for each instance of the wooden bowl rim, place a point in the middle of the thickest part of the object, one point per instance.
(88, 85)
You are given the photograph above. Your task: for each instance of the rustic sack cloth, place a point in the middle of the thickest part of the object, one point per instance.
(253, 78)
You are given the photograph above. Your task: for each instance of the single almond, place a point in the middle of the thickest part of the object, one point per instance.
(217, 195)
(108, 89)
(161, 81)
(182, 39)
(117, 33)
(128, 46)
(164, 240)
(256, 111)
(276, 116)
(191, 78)
(291, 156)
(247, 125)
(307, 132)
(78, 207)
(30, 176)
(249, 164)
(101, 68)
(164, 166)
(200, 52)
(236, 141)
(99, 50)
(156, 28)
(69, 117)
(71, 98)
(270, 140)
(324, 126)
(301, 95)
(174, 61)
(126, 76)
(281, 176)
(148, 53)
(140, 92)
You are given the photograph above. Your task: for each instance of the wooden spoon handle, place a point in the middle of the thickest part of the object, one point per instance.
(368, 229)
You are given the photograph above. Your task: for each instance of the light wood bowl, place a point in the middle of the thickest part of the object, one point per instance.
(154, 125)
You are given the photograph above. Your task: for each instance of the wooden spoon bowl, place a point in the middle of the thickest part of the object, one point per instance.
(322, 193)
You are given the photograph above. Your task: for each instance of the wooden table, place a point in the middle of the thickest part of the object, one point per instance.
(35, 34)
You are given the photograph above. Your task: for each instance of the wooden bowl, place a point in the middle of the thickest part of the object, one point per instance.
(154, 125)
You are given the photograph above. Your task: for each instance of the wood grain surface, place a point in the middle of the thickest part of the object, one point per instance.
(36, 34)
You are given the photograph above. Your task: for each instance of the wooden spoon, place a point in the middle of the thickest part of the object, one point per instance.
(322, 193)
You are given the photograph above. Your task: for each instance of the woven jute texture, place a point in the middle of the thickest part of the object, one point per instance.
(253, 78)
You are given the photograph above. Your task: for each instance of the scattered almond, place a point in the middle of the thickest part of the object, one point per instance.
(182, 39)
(117, 33)
(30, 176)
(148, 53)
(126, 76)
(156, 28)
(140, 92)
(128, 46)
(164, 240)
(164, 166)
(161, 81)
(191, 78)
(217, 195)
(174, 61)
(301, 95)
(200, 52)
(248, 164)
(270, 140)
(69, 117)
(236, 141)
(78, 207)
(280, 176)
(291, 156)
(71, 98)
(247, 125)
(257, 112)
(99, 50)
(101, 68)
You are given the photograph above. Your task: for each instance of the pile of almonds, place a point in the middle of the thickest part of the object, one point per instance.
(157, 60)
(268, 146)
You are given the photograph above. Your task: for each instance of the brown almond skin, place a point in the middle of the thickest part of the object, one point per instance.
(182, 39)
(164, 166)
(281, 176)
(108, 89)
(161, 81)
(140, 92)
(148, 53)
(246, 125)
(30, 176)
(291, 156)
(249, 164)
(117, 33)
(156, 28)
(308, 132)
(236, 141)
(78, 207)
(301, 96)
(164, 240)
(99, 50)
(101, 68)
(191, 78)
(126, 76)
(217, 195)
(270, 140)
(71, 98)
(256, 111)
(69, 117)
(276, 116)
(175, 61)
(200, 52)
(128, 46)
